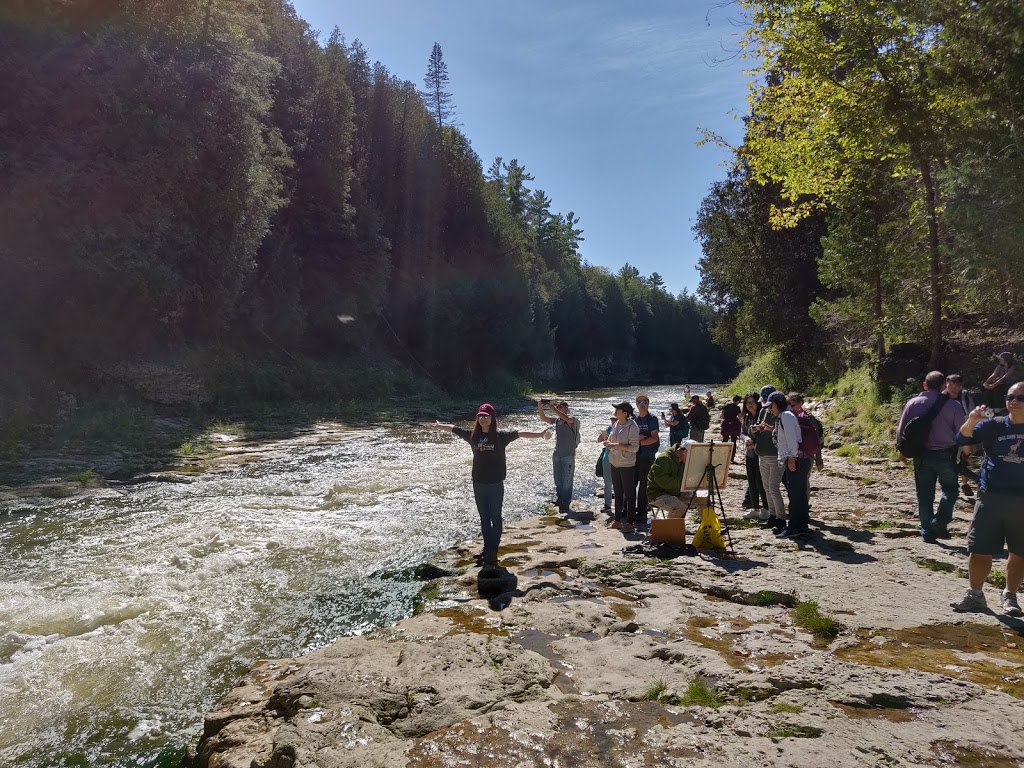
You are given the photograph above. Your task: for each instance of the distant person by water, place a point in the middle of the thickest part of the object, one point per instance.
(678, 426)
(731, 425)
(650, 442)
(709, 400)
(699, 418)
(489, 470)
(1003, 377)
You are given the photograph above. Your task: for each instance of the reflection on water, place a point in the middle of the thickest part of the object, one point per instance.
(124, 616)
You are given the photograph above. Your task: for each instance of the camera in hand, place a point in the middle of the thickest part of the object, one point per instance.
(545, 401)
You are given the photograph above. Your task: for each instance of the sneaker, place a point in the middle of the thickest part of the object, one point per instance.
(753, 514)
(1009, 604)
(627, 528)
(967, 490)
(971, 603)
(769, 522)
(943, 533)
(606, 510)
(789, 533)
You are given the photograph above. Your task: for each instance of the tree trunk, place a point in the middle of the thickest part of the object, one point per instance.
(879, 335)
(935, 264)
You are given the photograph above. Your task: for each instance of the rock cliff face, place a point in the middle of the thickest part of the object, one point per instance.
(592, 656)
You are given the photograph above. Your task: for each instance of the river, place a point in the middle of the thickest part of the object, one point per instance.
(125, 614)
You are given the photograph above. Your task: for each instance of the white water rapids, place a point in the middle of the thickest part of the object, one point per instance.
(126, 614)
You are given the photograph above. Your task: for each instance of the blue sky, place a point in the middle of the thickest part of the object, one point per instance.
(601, 101)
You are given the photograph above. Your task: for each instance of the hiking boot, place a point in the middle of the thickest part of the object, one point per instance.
(971, 603)
(616, 524)
(967, 490)
(627, 528)
(943, 533)
(1009, 604)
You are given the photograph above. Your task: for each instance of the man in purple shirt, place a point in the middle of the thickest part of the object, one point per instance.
(938, 460)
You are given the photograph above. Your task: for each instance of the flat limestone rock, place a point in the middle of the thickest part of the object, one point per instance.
(586, 655)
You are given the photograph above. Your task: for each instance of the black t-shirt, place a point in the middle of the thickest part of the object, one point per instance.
(730, 411)
(488, 454)
(646, 425)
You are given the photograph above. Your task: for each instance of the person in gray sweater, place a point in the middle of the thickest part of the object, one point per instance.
(623, 444)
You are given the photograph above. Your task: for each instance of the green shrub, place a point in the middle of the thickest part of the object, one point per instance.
(768, 368)
(848, 451)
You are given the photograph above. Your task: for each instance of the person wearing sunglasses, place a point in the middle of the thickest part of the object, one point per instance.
(650, 443)
(489, 471)
(999, 512)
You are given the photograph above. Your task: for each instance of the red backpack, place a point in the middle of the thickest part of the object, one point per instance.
(810, 442)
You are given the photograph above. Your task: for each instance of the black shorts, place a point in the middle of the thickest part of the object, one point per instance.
(998, 519)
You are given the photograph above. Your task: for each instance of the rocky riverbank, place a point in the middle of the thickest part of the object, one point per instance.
(839, 652)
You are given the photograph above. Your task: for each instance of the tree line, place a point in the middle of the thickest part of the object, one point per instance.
(214, 172)
(876, 197)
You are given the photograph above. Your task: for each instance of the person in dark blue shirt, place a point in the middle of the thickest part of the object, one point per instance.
(999, 512)
(650, 442)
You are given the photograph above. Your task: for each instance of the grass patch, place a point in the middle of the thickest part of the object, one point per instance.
(700, 693)
(879, 525)
(997, 579)
(782, 706)
(808, 615)
(656, 692)
(795, 732)
(935, 565)
(848, 451)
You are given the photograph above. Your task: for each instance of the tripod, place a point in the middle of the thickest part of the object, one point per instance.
(709, 480)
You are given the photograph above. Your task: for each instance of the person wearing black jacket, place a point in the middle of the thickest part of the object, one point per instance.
(489, 471)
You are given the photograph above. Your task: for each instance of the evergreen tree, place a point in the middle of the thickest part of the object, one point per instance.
(436, 94)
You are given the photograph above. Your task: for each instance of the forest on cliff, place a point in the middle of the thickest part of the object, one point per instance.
(876, 201)
(210, 191)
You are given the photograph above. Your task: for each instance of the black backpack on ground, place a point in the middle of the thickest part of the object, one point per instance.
(915, 433)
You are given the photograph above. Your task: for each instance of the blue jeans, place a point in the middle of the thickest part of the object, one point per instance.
(489, 498)
(929, 467)
(799, 501)
(565, 468)
(607, 471)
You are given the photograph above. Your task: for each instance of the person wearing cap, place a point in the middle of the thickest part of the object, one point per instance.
(665, 480)
(998, 384)
(768, 462)
(699, 418)
(563, 459)
(623, 444)
(936, 463)
(489, 470)
(650, 442)
(999, 512)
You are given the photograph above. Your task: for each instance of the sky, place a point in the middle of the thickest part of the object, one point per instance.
(602, 101)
